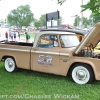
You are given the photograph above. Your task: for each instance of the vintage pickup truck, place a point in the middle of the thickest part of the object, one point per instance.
(57, 52)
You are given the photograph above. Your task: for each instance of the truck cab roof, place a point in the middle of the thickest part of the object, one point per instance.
(80, 32)
(56, 32)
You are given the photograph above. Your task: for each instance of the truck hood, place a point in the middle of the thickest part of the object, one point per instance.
(91, 39)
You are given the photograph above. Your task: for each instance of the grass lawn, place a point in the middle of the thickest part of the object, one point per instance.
(31, 35)
(30, 85)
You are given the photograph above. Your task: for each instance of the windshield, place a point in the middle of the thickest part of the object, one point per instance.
(69, 41)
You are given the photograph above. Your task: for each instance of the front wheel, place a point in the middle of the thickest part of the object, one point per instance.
(10, 65)
(82, 74)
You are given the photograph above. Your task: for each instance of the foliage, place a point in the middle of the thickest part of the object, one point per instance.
(86, 21)
(37, 24)
(60, 20)
(96, 19)
(77, 21)
(42, 20)
(2, 22)
(22, 16)
(93, 19)
(61, 1)
(94, 6)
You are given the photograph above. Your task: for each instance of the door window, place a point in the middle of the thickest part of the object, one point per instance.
(48, 41)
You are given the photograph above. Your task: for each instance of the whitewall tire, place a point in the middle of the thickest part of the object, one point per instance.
(82, 74)
(10, 64)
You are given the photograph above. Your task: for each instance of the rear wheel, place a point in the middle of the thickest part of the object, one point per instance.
(82, 74)
(10, 65)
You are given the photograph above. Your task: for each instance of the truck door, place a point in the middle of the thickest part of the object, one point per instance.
(46, 55)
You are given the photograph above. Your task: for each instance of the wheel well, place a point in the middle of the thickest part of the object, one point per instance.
(79, 63)
(4, 57)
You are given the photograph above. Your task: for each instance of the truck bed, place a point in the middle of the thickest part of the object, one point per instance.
(17, 43)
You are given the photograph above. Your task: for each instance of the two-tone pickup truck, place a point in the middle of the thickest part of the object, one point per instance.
(57, 52)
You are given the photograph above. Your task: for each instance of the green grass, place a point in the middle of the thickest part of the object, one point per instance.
(42, 86)
(31, 35)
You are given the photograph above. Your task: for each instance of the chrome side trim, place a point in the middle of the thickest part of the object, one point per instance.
(64, 54)
(43, 52)
(53, 53)
(11, 49)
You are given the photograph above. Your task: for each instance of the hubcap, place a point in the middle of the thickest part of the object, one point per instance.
(10, 64)
(81, 75)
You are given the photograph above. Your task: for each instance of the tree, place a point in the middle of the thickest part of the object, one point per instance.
(22, 16)
(61, 1)
(43, 20)
(93, 5)
(2, 22)
(96, 19)
(60, 20)
(85, 22)
(77, 21)
(37, 24)
(93, 19)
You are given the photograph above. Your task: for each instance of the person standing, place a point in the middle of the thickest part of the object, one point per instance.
(27, 37)
(12, 34)
(19, 35)
(6, 35)
(9, 33)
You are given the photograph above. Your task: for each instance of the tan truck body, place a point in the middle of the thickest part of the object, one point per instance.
(55, 60)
